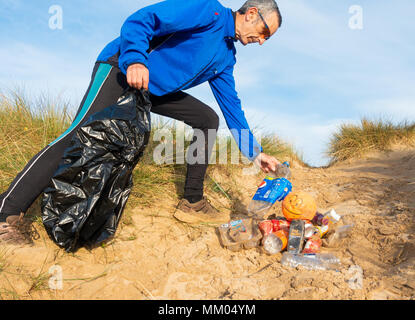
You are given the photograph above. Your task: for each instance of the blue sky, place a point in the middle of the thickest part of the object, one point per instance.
(314, 74)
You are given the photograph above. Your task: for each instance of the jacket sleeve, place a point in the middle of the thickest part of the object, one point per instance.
(223, 88)
(161, 19)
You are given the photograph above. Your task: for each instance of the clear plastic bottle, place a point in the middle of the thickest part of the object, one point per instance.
(335, 238)
(283, 170)
(275, 187)
(330, 218)
(318, 261)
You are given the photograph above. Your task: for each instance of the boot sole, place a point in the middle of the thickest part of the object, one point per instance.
(192, 218)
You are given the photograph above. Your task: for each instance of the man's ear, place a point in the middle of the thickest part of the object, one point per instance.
(250, 14)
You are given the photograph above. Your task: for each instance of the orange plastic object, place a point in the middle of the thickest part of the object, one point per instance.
(283, 236)
(299, 205)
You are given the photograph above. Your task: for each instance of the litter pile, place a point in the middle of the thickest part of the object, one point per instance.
(301, 233)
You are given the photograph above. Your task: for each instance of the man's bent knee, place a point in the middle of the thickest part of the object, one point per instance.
(212, 120)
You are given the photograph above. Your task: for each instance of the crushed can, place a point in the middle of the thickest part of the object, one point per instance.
(296, 236)
(275, 242)
(266, 227)
(280, 224)
(322, 230)
(309, 230)
(313, 245)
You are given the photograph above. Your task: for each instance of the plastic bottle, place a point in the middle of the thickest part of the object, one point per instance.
(335, 238)
(330, 218)
(283, 170)
(318, 261)
(275, 187)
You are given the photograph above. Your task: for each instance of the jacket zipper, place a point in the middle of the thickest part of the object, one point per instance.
(188, 81)
(168, 38)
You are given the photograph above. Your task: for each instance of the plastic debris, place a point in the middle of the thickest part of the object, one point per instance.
(240, 234)
(319, 261)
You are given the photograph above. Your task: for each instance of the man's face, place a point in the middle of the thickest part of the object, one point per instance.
(256, 28)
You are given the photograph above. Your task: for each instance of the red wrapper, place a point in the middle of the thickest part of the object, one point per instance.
(266, 227)
(280, 225)
(313, 245)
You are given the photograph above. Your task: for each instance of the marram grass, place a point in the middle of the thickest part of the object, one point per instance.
(28, 125)
(354, 141)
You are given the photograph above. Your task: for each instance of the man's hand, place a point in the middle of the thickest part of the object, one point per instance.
(137, 76)
(266, 163)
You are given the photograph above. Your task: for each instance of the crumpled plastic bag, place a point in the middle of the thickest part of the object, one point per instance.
(84, 201)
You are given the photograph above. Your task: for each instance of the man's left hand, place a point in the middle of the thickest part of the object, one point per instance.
(266, 162)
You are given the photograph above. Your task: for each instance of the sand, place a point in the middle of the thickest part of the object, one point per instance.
(157, 257)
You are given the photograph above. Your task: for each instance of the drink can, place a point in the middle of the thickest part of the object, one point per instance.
(296, 236)
(275, 242)
(312, 245)
(309, 230)
(266, 227)
(322, 230)
(283, 235)
(280, 224)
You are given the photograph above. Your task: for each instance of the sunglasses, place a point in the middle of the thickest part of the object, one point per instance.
(267, 36)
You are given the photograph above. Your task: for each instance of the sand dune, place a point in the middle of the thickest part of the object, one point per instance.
(158, 257)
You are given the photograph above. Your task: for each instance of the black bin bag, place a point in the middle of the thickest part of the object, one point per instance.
(84, 201)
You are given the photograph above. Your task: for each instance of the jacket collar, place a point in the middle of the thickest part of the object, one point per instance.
(230, 25)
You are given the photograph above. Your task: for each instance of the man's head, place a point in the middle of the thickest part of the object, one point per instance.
(256, 21)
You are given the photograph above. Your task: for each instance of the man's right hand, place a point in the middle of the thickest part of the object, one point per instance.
(266, 162)
(138, 76)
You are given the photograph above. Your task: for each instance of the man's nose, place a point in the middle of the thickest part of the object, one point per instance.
(261, 41)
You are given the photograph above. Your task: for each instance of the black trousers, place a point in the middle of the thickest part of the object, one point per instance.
(106, 86)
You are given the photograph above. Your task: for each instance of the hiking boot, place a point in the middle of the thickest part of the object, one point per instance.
(201, 211)
(17, 230)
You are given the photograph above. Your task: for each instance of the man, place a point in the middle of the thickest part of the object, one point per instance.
(164, 48)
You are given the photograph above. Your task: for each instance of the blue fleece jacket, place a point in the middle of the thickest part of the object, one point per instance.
(199, 47)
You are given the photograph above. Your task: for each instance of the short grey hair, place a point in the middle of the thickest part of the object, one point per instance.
(265, 6)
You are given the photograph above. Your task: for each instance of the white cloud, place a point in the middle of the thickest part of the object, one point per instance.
(396, 108)
(40, 70)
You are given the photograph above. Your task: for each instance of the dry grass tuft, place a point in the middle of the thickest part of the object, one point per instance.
(28, 125)
(354, 141)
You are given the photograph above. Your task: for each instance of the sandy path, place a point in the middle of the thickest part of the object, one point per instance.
(157, 257)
